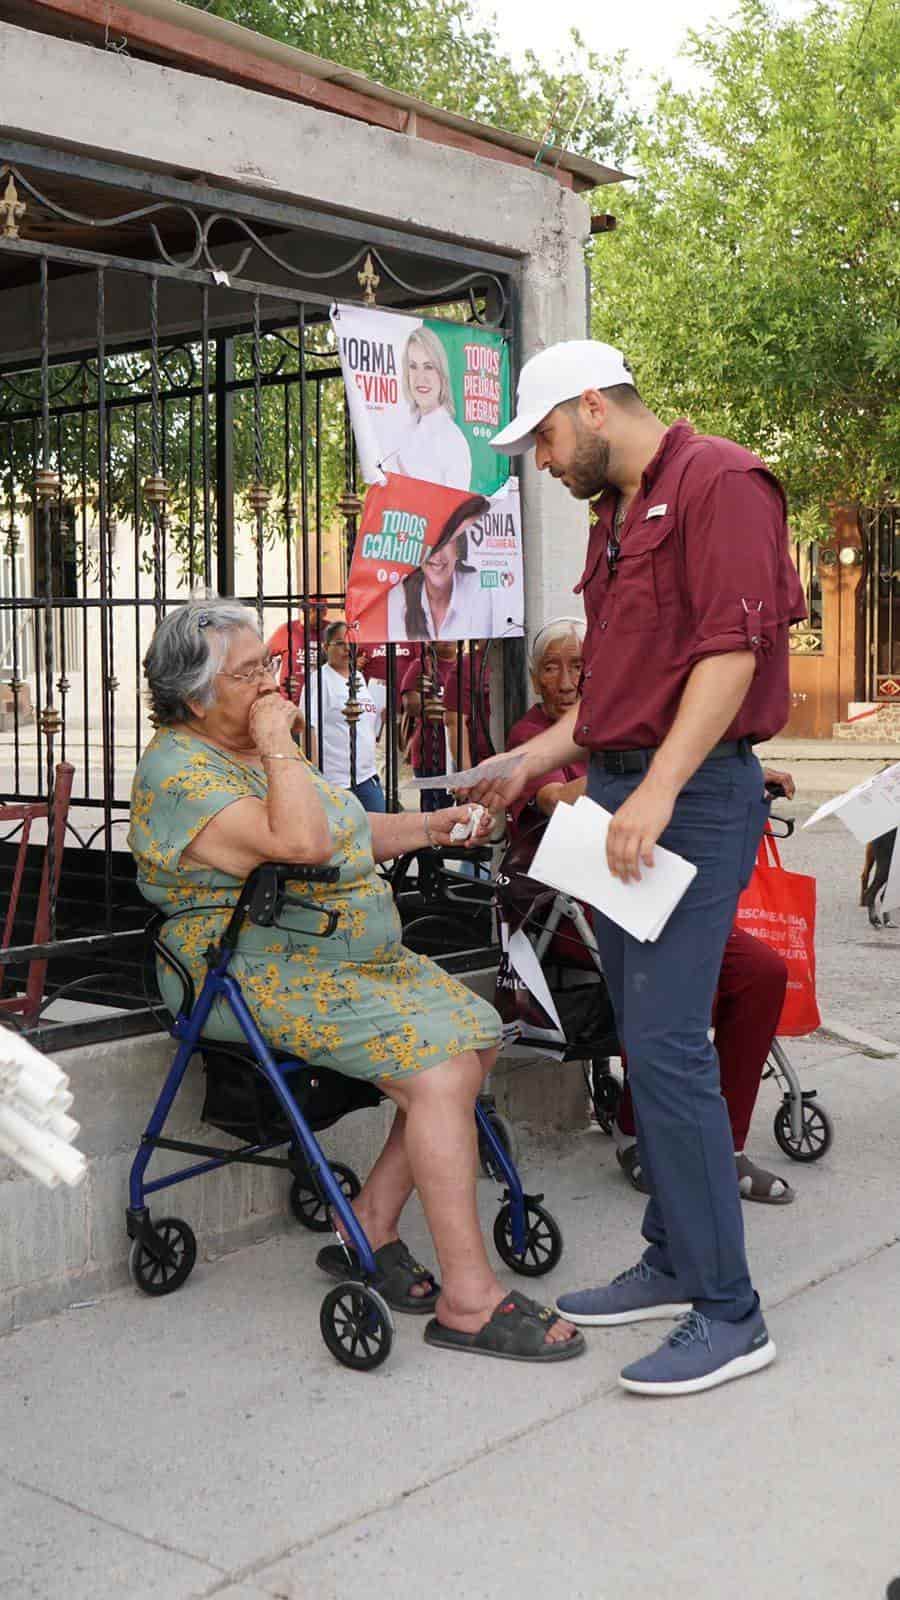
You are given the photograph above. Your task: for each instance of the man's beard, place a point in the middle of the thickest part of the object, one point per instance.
(588, 472)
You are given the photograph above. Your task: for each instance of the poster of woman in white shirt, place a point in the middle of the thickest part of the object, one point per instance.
(430, 562)
(426, 396)
(444, 597)
(432, 447)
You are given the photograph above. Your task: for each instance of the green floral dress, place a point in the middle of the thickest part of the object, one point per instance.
(358, 1001)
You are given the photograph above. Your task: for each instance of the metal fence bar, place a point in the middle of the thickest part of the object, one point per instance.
(144, 428)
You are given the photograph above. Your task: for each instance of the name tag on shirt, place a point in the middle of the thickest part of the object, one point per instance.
(656, 511)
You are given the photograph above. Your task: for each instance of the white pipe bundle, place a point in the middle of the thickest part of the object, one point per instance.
(35, 1130)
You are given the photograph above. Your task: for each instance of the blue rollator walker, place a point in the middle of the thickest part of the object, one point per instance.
(273, 1098)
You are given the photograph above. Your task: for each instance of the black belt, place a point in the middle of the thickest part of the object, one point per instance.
(620, 762)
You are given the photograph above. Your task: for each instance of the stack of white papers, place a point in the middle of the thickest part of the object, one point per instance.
(572, 857)
(35, 1130)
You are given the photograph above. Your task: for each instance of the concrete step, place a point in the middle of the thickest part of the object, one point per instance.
(881, 723)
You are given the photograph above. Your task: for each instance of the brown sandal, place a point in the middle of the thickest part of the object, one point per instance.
(755, 1183)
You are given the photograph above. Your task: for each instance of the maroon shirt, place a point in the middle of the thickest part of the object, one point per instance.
(455, 690)
(435, 762)
(376, 660)
(459, 695)
(534, 722)
(704, 569)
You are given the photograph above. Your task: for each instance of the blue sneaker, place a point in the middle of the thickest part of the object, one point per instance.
(638, 1295)
(700, 1354)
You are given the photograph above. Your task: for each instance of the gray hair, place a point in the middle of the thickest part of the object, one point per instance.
(187, 651)
(551, 633)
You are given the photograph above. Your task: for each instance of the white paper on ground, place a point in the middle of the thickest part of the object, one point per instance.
(572, 857)
(521, 954)
(869, 809)
(498, 767)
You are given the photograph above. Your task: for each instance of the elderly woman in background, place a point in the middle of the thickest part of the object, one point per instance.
(556, 679)
(753, 977)
(221, 788)
(329, 691)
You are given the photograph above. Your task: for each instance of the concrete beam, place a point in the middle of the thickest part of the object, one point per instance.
(157, 117)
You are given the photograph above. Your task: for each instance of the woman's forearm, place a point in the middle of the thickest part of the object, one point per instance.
(550, 796)
(298, 825)
(396, 834)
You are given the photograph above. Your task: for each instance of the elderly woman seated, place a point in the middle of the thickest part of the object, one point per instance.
(223, 787)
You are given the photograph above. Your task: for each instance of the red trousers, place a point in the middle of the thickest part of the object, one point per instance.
(749, 998)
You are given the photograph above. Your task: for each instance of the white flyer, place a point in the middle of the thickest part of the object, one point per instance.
(523, 958)
(869, 809)
(572, 857)
(497, 767)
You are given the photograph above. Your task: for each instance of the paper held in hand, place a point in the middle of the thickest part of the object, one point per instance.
(572, 857)
(498, 767)
(868, 810)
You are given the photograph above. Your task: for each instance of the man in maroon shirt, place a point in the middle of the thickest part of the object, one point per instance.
(689, 593)
(753, 977)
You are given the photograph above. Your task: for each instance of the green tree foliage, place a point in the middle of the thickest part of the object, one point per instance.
(754, 276)
(438, 51)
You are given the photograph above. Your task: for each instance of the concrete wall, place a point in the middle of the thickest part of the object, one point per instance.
(61, 1246)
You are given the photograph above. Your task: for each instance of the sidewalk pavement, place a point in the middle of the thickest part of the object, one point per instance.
(207, 1445)
(826, 767)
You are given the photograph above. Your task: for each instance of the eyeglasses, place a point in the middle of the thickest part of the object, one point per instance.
(263, 669)
(613, 551)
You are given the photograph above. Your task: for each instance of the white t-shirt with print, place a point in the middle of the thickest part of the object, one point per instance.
(334, 753)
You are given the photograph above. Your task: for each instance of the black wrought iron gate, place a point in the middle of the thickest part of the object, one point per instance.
(171, 413)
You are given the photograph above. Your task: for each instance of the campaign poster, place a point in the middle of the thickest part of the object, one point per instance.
(426, 397)
(432, 562)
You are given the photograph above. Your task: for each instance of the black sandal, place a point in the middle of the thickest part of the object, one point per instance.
(397, 1273)
(630, 1162)
(517, 1331)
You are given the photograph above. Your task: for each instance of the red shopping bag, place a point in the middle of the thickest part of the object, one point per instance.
(779, 907)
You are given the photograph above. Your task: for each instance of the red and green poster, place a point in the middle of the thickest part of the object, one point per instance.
(433, 562)
(426, 396)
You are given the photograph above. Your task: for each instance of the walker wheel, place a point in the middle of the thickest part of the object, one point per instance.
(543, 1240)
(357, 1326)
(816, 1131)
(306, 1200)
(164, 1277)
(505, 1134)
(606, 1095)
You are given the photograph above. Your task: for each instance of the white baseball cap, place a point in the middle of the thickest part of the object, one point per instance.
(559, 373)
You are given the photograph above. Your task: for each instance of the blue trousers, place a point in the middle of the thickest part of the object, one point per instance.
(370, 794)
(662, 995)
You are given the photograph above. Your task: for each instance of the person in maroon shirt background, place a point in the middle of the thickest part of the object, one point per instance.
(752, 979)
(376, 659)
(467, 703)
(689, 593)
(429, 671)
